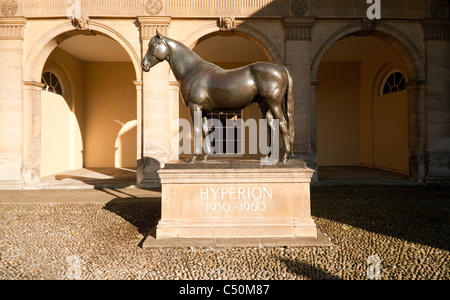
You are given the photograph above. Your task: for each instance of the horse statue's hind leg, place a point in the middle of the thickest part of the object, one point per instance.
(271, 128)
(206, 140)
(277, 113)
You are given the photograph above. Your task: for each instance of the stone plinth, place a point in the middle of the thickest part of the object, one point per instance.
(240, 199)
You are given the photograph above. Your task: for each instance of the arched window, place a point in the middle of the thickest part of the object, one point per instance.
(395, 82)
(52, 83)
(228, 135)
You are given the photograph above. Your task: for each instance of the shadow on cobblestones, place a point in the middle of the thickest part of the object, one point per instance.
(141, 212)
(308, 271)
(416, 214)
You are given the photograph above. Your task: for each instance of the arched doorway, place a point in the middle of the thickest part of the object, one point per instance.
(98, 102)
(230, 50)
(357, 123)
(101, 113)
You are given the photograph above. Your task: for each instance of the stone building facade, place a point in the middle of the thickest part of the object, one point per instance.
(367, 92)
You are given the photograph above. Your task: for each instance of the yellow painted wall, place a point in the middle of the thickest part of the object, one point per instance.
(56, 135)
(355, 124)
(110, 115)
(94, 124)
(391, 132)
(384, 123)
(338, 114)
(62, 117)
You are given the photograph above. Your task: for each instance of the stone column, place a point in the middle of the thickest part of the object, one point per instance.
(31, 133)
(313, 155)
(155, 109)
(174, 117)
(417, 112)
(437, 43)
(139, 131)
(11, 52)
(298, 61)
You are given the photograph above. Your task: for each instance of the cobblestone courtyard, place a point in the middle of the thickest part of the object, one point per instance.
(377, 232)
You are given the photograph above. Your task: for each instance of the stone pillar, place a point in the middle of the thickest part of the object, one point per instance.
(417, 132)
(174, 116)
(155, 121)
(139, 131)
(11, 52)
(313, 161)
(298, 61)
(437, 43)
(31, 134)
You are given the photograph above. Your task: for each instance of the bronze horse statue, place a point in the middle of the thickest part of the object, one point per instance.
(206, 87)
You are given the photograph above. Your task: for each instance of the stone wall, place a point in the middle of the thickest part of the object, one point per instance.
(416, 9)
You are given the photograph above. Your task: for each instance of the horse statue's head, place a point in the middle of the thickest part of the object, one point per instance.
(157, 52)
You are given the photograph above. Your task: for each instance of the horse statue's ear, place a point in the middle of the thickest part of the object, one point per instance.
(158, 34)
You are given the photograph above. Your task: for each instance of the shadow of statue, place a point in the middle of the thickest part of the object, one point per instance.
(141, 212)
(308, 271)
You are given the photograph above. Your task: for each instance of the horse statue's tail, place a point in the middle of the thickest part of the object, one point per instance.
(290, 109)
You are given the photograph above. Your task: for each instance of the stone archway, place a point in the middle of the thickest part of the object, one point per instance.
(241, 30)
(32, 87)
(415, 69)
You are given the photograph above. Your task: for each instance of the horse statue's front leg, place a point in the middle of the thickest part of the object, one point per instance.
(206, 140)
(196, 115)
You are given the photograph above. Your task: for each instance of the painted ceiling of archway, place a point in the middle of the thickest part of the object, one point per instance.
(86, 48)
(354, 49)
(229, 49)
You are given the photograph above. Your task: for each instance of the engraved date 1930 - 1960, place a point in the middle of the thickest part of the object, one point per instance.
(244, 199)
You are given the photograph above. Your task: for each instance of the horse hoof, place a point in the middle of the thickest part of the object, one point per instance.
(204, 158)
(193, 159)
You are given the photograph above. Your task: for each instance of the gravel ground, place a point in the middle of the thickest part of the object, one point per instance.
(377, 232)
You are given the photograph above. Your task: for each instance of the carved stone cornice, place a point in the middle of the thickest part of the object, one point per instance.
(299, 29)
(436, 29)
(12, 28)
(149, 25)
